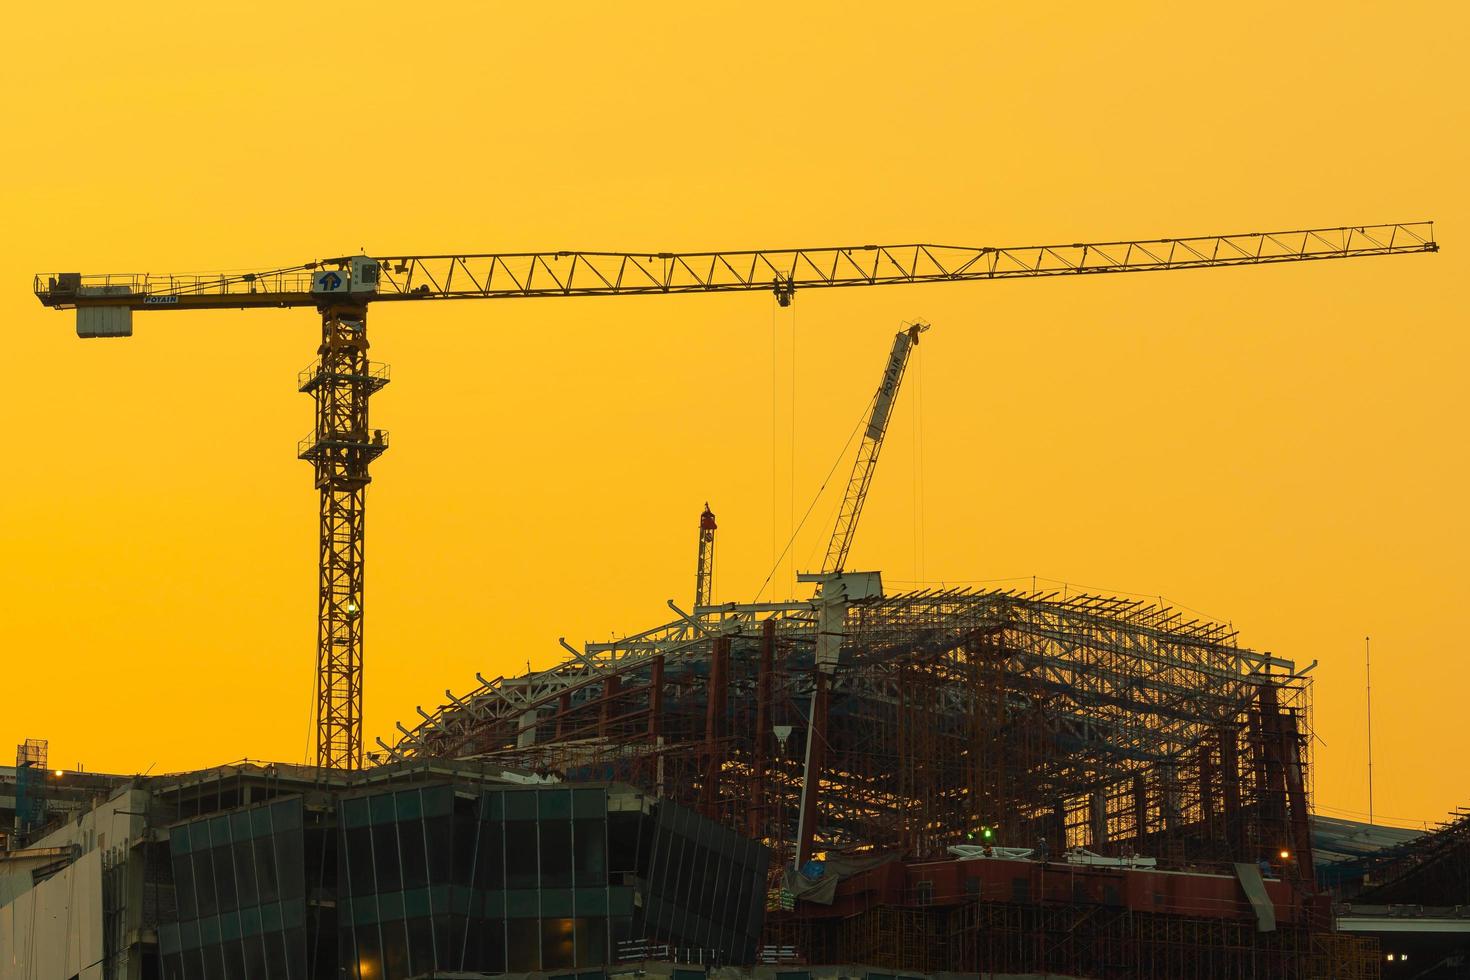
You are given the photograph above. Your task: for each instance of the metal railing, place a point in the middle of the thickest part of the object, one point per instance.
(377, 371)
(312, 445)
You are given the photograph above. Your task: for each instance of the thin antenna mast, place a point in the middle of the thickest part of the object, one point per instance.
(1368, 670)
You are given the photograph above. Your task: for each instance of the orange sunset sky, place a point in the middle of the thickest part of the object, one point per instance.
(1280, 447)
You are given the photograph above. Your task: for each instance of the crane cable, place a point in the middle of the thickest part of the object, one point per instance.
(791, 506)
(776, 564)
(774, 559)
(917, 410)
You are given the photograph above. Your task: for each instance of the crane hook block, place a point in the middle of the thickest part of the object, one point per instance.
(785, 291)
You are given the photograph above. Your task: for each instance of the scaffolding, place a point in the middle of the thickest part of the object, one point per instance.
(30, 786)
(1109, 723)
(1077, 940)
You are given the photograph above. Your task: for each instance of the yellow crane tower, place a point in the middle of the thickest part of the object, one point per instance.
(342, 379)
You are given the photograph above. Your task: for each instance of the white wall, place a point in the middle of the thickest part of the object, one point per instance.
(54, 931)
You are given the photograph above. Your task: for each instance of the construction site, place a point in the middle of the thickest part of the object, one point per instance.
(860, 782)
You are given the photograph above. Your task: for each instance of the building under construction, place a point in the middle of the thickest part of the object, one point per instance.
(1109, 740)
(955, 780)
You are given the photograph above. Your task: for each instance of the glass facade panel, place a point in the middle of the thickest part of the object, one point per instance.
(203, 882)
(558, 943)
(591, 942)
(492, 946)
(234, 954)
(188, 908)
(589, 851)
(521, 849)
(440, 837)
(522, 944)
(490, 858)
(254, 957)
(369, 954)
(224, 876)
(387, 866)
(395, 949)
(556, 853)
(414, 851)
(392, 882)
(229, 861)
(421, 944)
(290, 854)
(275, 954)
(247, 888)
(264, 851)
(359, 850)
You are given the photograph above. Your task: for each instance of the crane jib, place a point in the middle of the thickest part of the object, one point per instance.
(888, 387)
(362, 279)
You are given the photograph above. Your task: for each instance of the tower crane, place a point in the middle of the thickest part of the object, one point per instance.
(342, 379)
(704, 578)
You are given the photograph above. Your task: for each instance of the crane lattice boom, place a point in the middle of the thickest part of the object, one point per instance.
(704, 576)
(872, 443)
(528, 274)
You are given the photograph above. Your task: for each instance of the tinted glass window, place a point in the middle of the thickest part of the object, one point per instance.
(440, 828)
(490, 860)
(290, 860)
(520, 853)
(589, 857)
(204, 883)
(254, 957)
(622, 840)
(421, 945)
(556, 853)
(224, 876)
(385, 857)
(466, 829)
(495, 952)
(558, 946)
(235, 960)
(591, 942)
(275, 955)
(395, 949)
(184, 887)
(415, 860)
(265, 869)
(522, 943)
(360, 860)
(245, 883)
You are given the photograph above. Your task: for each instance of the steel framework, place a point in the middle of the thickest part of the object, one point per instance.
(502, 275)
(1082, 720)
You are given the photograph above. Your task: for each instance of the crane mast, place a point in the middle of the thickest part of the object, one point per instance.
(341, 446)
(872, 443)
(704, 577)
(342, 380)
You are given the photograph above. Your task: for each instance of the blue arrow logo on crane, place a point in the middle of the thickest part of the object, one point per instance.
(330, 281)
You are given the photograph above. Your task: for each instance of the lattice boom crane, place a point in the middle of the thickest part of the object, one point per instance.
(342, 379)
